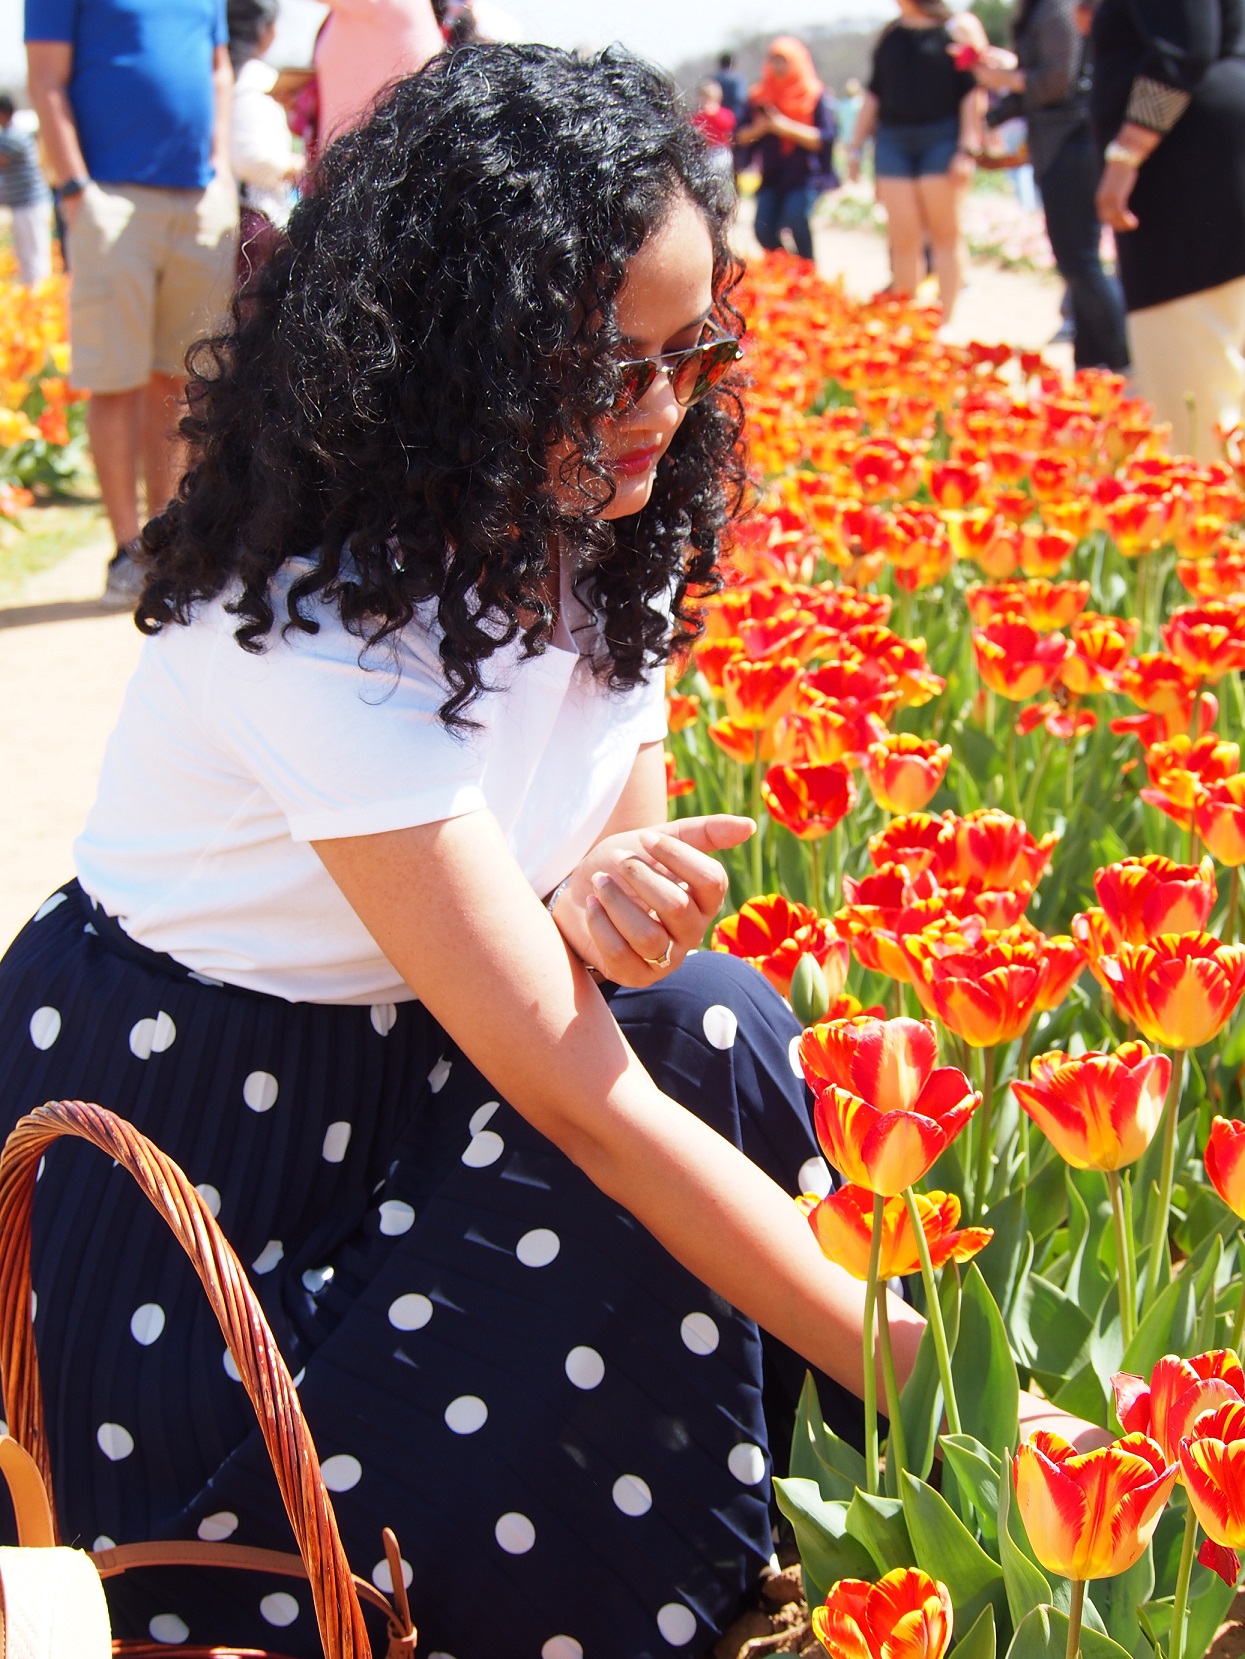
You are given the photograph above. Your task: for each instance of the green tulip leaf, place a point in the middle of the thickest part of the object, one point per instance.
(980, 1640)
(827, 1553)
(977, 1473)
(946, 1550)
(818, 1454)
(1026, 1584)
(878, 1524)
(1049, 1331)
(982, 1367)
(1043, 1634)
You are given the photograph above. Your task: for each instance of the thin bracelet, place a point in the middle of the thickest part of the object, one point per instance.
(549, 904)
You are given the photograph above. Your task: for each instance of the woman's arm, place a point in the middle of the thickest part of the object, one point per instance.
(451, 909)
(862, 132)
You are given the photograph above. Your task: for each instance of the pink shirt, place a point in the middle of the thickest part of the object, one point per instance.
(363, 46)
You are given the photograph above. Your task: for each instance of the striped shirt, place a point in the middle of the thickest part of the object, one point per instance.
(21, 181)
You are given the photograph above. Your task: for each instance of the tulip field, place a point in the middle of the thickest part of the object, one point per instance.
(977, 673)
(42, 418)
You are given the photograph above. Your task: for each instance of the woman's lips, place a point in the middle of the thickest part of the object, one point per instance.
(635, 461)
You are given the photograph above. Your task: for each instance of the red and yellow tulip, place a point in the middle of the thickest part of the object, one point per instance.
(905, 1615)
(1219, 820)
(1180, 990)
(809, 800)
(1145, 896)
(1224, 1159)
(843, 1225)
(904, 772)
(772, 933)
(1091, 1514)
(1099, 1111)
(1212, 1463)
(1016, 661)
(1178, 1392)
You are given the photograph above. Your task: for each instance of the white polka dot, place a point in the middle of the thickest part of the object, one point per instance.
(396, 1217)
(382, 1578)
(210, 1196)
(268, 1257)
(484, 1149)
(515, 1533)
(747, 1463)
(167, 1627)
(315, 1279)
(231, 1366)
(632, 1495)
(279, 1608)
(260, 1091)
(384, 1017)
(336, 1140)
(34, 1304)
(342, 1472)
(115, 1442)
(147, 1324)
(466, 1415)
(214, 1529)
(562, 1647)
(439, 1075)
(48, 906)
(479, 1119)
(104, 1542)
(150, 1037)
(815, 1177)
(45, 1027)
(297, 1378)
(410, 1312)
(538, 1248)
(676, 1623)
(42, 1166)
(720, 1026)
(585, 1367)
(700, 1333)
(793, 1054)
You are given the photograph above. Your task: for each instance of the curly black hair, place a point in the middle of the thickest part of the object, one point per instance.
(438, 319)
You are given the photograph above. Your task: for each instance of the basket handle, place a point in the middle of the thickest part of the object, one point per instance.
(260, 1366)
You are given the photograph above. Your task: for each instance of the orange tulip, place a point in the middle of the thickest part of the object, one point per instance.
(1222, 577)
(1181, 767)
(745, 744)
(1219, 819)
(903, 660)
(772, 933)
(1051, 476)
(1212, 1462)
(1224, 1159)
(675, 785)
(885, 1110)
(1179, 990)
(843, 1225)
(905, 1615)
(993, 849)
(917, 839)
(1092, 1514)
(825, 733)
(809, 800)
(1144, 896)
(905, 772)
(1099, 1111)
(880, 909)
(988, 540)
(1016, 661)
(986, 994)
(681, 711)
(757, 693)
(1100, 648)
(1063, 723)
(1209, 639)
(1158, 683)
(1045, 552)
(1178, 1392)
(955, 484)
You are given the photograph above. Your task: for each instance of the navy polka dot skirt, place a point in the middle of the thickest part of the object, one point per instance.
(566, 1430)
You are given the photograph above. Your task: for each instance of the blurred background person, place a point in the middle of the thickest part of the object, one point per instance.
(363, 46)
(715, 122)
(924, 116)
(789, 128)
(846, 109)
(266, 163)
(133, 99)
(1168, 101)
(24, 191)
(734, 87)
(1048, 78)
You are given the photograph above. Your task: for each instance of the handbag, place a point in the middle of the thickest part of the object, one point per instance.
(52, 1602)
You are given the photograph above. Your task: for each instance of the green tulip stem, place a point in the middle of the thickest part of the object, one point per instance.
(1075, 1610)
(754, 808)
(818, 899)
(1162, 1209)
(1180, 1600)
(869, 1332)
(896, 1447)
(1232, 918)
(1013, 788)
(981, 1184)
(1238, 1324)
(838, 853)
(1039, 772)
(1125, 1262)
(934, 1314)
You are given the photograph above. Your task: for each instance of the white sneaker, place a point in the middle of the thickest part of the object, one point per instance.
(124, 583)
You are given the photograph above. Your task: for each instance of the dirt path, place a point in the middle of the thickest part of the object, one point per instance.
(64, 663)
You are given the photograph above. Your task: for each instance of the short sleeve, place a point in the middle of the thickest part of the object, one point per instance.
(51, 20)
(220, 27)
(652, 725)
(346, 740)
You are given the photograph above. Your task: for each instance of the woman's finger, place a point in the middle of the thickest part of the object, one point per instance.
(631, 920)
(660, 892)
(705, 877)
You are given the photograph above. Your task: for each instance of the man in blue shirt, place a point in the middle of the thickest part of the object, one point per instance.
(133, 100)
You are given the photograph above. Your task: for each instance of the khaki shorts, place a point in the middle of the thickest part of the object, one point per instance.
(152, 271)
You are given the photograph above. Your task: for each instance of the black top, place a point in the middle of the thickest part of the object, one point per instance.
(796, 167)
(914, 78)
(1052, 52)
(1190, 195)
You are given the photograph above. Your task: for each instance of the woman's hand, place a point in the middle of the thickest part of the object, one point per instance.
(638, 902)
(1114, 189)
(962, 167)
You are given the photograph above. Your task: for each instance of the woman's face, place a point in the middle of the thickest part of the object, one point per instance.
(663, 306)
(779, 64)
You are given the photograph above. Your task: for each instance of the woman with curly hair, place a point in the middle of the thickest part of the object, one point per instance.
(379, 928)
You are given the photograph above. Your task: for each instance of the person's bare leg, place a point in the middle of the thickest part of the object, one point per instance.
(113, 426)
(164, 449)
(904, 227)
(940, 197)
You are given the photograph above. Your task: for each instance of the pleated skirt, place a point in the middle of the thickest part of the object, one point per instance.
(566, 1430)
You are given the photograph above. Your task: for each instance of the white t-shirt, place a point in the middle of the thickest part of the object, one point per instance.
(225, 764)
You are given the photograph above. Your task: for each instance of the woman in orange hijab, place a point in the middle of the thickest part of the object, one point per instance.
(790, 126)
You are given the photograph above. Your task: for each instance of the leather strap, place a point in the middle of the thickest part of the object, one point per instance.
(35, 1526)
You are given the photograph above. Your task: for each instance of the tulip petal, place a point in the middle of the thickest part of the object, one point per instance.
(839, 1634)
(1132, 1402)
(1221, 1560)
(898, 1150)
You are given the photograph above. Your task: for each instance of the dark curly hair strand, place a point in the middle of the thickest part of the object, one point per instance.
(439, 319)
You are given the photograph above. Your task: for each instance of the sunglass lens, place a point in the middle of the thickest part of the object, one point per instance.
(634, 381)
(702, 369)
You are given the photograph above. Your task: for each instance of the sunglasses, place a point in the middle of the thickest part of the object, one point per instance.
(693, 373)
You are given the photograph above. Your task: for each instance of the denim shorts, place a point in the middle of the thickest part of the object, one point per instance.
(916, 152)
